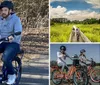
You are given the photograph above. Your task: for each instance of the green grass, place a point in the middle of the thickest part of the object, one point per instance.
(61, 32)
(91, 31)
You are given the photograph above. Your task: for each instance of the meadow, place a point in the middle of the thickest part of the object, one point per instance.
(60, 32)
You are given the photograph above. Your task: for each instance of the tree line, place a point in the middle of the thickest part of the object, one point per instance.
(54, 63)
(65, 20)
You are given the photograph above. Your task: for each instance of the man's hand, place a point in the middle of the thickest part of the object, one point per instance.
(11, 38)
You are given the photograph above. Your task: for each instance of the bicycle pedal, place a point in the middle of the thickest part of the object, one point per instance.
(0, 78)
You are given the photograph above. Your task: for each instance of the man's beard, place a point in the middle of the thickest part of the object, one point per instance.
(5, 15)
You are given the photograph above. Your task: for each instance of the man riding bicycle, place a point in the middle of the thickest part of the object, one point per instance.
(61, 58)
(9, 24)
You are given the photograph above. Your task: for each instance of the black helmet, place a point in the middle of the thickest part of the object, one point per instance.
(63, 48)
(82, 51)
(7, 4)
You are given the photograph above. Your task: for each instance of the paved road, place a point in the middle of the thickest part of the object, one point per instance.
(77, 36)
(35, 71)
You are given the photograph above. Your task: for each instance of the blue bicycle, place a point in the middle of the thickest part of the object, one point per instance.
(17, 64)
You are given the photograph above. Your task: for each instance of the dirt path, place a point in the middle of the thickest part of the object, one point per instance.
(77, 36)
(74, 39)
(80, 39)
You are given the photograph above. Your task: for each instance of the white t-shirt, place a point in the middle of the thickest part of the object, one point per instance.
(63, 57)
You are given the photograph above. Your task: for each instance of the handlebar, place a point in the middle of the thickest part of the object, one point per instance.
(92, 62)
(72, 58)
(7, 39)
(4, 39)
(16, 33)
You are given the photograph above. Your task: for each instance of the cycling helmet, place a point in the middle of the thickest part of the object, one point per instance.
(82, 51)
(7, 4)
(63, 48)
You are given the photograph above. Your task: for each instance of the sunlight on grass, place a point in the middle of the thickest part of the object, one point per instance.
(60, 32)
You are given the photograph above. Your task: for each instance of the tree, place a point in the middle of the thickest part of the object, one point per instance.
(33, 13)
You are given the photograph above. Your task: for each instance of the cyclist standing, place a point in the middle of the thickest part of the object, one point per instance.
(9, 23)
(61, 58)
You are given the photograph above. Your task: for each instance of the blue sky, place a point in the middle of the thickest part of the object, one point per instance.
(92, 51)
(75, 5)
(75, 8)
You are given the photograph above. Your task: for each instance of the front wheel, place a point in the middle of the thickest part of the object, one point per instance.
(18, 69)
(54, 78)
(80, 77)
(95, 76)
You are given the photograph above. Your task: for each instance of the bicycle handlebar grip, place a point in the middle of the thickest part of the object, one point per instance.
(7, 39)
(16, 33)
(4, 39)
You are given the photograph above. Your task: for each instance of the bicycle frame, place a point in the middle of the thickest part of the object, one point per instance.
(90, 70)
(4, 70)
(62, 75)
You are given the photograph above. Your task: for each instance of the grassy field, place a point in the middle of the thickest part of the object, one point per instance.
(61, 32)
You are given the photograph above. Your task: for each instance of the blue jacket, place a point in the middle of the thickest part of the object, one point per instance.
(11, 25)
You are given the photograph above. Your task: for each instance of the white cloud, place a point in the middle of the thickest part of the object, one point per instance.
(81, 15)
(74, 12)
(61, 12)
(95, 3)
(59, 0)
(57, 12)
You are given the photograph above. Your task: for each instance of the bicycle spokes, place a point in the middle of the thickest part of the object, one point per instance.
(95, 75)
(56, 77)
(80, 78)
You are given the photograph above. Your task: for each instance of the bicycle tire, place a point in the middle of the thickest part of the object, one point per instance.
(52, 78)
(83, 74)
(92, 76)
(18, 61)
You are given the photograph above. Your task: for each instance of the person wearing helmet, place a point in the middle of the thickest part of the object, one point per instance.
(9, 23)
(82, 56)
(61, 58)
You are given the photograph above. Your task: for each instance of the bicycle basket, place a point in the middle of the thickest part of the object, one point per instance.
(76, 61)
(93, 64)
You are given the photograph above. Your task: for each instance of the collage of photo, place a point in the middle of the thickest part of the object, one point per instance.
(74, 42)
(49, 42)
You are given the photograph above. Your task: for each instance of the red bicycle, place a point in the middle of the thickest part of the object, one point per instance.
(92, 71)
(75, 73)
